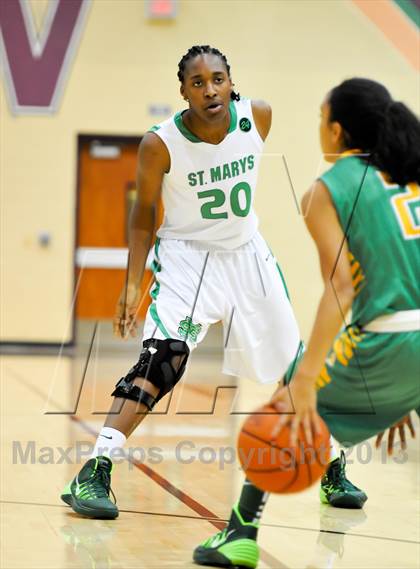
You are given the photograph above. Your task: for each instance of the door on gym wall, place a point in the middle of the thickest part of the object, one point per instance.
(106, 194)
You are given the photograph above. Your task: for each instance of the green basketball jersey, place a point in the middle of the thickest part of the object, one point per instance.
(382, 224)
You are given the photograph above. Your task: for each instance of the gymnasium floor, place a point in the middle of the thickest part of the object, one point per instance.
(181, 493)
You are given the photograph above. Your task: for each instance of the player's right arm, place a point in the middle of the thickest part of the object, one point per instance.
(324, 226)
(152, 163)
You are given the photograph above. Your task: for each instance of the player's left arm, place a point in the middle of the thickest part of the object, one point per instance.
(323, 225)
(261, 111)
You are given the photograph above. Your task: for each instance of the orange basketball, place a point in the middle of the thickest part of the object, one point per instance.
(273, 465)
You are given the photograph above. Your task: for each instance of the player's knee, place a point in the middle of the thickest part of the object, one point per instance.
(162, 363)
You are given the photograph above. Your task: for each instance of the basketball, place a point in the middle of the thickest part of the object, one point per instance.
(273, 465)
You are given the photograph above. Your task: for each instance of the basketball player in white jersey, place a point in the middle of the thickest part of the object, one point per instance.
(211, 264)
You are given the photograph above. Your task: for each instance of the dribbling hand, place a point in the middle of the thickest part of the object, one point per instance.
(297, 403)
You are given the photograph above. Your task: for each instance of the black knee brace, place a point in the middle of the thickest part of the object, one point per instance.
(162, 362)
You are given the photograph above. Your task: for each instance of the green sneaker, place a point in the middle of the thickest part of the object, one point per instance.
(337, 490)
(234, 546)
(88, 493)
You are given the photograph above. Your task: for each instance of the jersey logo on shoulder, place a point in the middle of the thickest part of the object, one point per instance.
(245, 124)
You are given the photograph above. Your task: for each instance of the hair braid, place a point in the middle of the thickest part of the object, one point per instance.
(201, 50)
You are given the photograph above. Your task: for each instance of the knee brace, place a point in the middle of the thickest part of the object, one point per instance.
(162, 362)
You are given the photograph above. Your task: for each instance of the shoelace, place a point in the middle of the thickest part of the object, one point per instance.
(218, 537)
(101, 484)
(337, 474)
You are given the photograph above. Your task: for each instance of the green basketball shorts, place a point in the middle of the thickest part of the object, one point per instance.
(369, 382)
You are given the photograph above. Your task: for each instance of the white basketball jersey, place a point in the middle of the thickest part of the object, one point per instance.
(208, 193)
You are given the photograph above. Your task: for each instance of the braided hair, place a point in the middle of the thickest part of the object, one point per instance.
(201, 50)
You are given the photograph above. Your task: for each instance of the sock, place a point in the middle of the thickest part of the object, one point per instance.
(107, 443)
(251, 503)
(333, 450)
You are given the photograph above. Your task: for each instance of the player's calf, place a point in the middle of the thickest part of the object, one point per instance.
(162, 363)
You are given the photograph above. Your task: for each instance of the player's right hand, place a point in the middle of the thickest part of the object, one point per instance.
(297, 404)
(125, 322)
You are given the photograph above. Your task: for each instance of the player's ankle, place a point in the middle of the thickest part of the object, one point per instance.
(109, 442)
(242, 528)
(332, 465)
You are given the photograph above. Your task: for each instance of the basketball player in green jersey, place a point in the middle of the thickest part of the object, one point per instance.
(211, 263)
(363, 215)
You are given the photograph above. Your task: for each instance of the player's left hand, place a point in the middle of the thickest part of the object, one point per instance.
(400, 426)
(297, 403)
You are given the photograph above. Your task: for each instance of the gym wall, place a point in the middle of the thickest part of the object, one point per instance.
(287, 52)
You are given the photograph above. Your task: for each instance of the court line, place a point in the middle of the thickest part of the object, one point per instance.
(378, 537)
(92, 340)
(183, 516)
(219, 523)
(209, 516)
(201, 510)
(165, 484)
(395, 26)
(163, 514)
(198, 508)
(183, 429)
(198, 389)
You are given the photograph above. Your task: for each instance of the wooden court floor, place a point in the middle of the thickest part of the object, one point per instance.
(179, 478)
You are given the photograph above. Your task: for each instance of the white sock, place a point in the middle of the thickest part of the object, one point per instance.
(109, 443)
(333, 450)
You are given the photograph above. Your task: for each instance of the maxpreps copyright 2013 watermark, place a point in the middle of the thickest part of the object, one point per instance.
(188, 452)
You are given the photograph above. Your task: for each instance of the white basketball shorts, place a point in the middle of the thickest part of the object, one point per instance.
(243, 288)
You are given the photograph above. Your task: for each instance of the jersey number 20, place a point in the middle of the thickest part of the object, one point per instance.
(241, 192)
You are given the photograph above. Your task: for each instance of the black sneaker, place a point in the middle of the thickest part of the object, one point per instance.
(88, 493)
(235, 546)
(337, 490)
